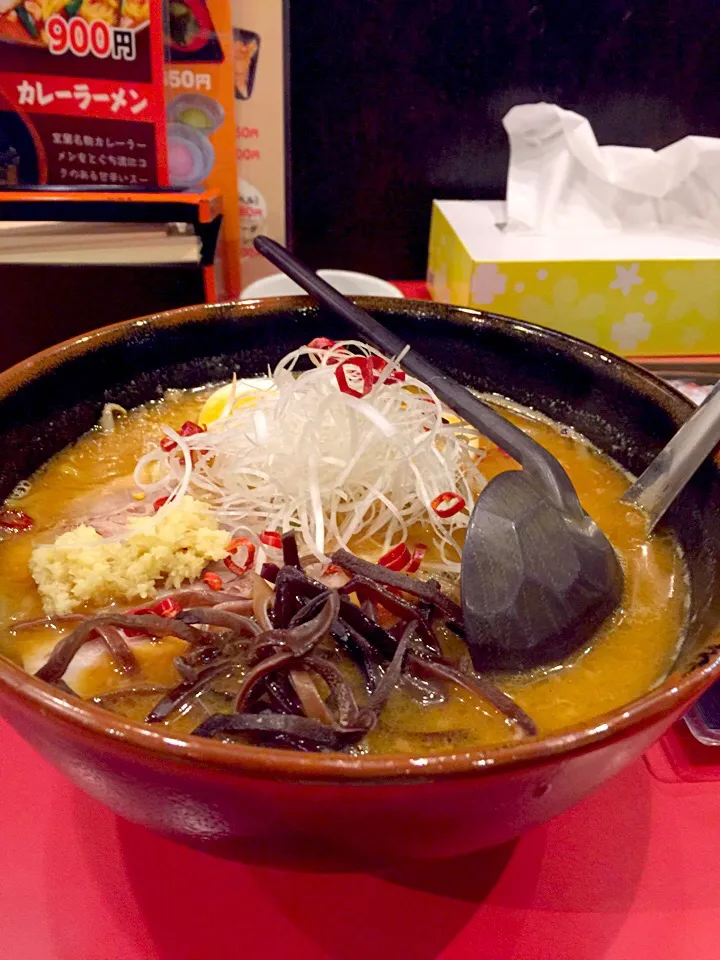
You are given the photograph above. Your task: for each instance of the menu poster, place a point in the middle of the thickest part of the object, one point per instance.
(200, 113)
(81, 93)
(260, 121)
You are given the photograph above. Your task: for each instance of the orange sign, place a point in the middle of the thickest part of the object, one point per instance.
(201, 115)
(260, 118)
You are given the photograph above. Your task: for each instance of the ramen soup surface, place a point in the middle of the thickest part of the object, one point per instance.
(632, 653)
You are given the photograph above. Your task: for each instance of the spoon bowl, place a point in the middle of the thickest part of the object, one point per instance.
(522, 605)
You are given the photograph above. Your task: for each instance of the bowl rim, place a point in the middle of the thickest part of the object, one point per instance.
(672, 695)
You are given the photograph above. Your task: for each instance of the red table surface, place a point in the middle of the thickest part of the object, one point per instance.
(628, 874)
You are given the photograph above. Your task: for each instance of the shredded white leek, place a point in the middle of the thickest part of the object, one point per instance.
(331, 466)
(107, 417)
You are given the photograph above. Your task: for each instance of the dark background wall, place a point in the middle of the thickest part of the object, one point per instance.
(397, 102)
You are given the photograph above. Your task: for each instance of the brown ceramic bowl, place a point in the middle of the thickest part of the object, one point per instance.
(279, 805)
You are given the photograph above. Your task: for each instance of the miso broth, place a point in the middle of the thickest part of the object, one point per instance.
(632, 653)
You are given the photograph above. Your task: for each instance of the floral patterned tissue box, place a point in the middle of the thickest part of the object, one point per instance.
(615, 292)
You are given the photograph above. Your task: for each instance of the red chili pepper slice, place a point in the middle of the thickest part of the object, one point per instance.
(355, 376)
(379, 365)
(322, 343)
(15, 520)
(167, 607)
(233, 547)
(455, 501)
(395, 559)
(160, 502)
(238, 542)
(235, 568)
(417, 558)
(212, 580)
(188, 429)
(271, 539)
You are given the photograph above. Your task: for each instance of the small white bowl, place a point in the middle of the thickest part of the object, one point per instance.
(346, 281)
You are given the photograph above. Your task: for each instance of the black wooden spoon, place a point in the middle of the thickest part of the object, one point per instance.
(538, 575)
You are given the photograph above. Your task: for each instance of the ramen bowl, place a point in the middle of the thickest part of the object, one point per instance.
(281, 806)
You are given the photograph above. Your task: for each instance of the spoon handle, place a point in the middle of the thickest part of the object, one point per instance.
(534, 459)
(656, 488)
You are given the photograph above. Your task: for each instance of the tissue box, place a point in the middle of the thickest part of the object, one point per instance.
(649, 295)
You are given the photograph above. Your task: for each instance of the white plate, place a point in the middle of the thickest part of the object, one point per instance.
(346, 281)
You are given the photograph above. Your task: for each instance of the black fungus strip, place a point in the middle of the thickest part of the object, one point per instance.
(367, 589)
(200, 595)
(118, 647)
(309, 609)
(476, 685)
(427, 615)
(360, 651)
(286, 601)
(265, 645)
(284, 646)
(346, 705)
(148, 623)
(306, 689)
(199, 657)
(281, 694)
(424, 589)
(262, 608)
(269, 572)
(154, 626)
(236, 606)
(400, 608)
(425, 609)
(259, 672)
(313, 732)
(391, 677)
(111, 700)
(368, 608)
(423, 690)
(301, 638)
(187, 690)
(291, 557)
(186, 671)
(243, 626)
(350, 614)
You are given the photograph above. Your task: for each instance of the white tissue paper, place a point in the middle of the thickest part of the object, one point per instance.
(615, 245)
(561, 182)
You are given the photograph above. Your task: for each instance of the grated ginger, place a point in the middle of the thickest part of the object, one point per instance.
(82, 567)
